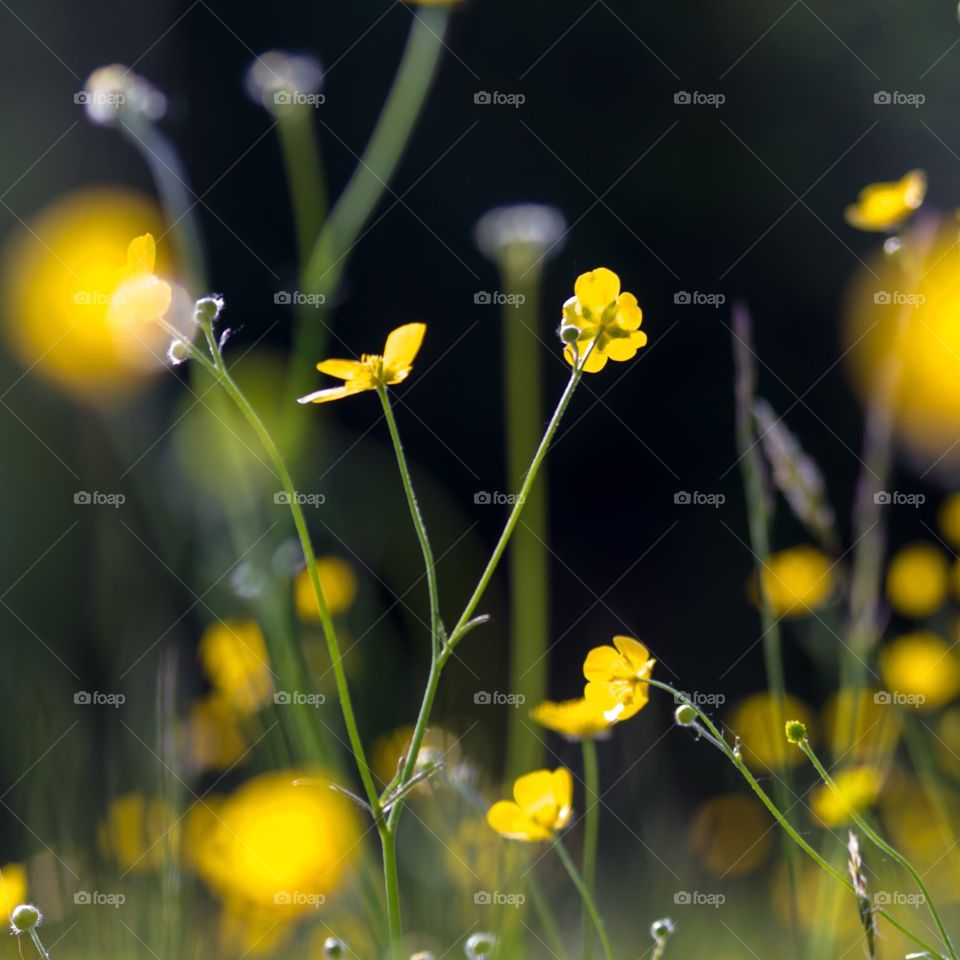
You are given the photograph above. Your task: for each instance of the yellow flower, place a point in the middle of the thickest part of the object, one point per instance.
(917, 580)
(81, 302)
(234, 656)
(372, 371)
(339, 588)
(542, 806)
(13, 887)
(139, 832)
(883, 206)
(920, 669)
(213, 738)
(573, 719)
(798, 580)
(616, 678)
(604, 319)
(277, 846)
(755, 722)
(857, 790)
(730, 834)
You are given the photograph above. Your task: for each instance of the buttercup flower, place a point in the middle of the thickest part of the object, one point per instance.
(371, 370)
(540, 807)
(797, 580)
(235, 658)
(339, 588)
(616, 678)
(883, 206)
(138, 832)
(917, 580)
(857, 789)
(573, 719)
(921, 666)
(13, 887)
(600, 317)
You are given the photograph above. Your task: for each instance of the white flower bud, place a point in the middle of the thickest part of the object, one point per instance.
(115, 90)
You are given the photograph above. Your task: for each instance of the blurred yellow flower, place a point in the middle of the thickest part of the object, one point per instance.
(616, 676)
(234, 656)
(903, 314)
(540, 807)
(948, 519)
(917, 580)
(339, 584)
(857, 790)
(755, 722)
(798, 580)
(372, 371)
(212, 736)
(883, 206)
(920, 670)
(276, 846)
(946, 743)
(573, 719)
(138, 832)
(82, 303)
(858, 725)
(13, 887)
(731, 835)
(604, 319)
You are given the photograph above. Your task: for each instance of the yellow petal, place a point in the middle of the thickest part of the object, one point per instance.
(402, 346)
(596, 360)
(511, 822)
(563, 794)
(334, 393)
(601, 663)
(142, 254)
(597, 289)
(344, 369)
(633, 650)
(629, 314)
(624, 348)
(532, 789)
(602, 697)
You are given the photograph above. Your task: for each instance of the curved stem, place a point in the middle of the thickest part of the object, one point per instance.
(591, 829)
(418, 524)
(586, 896)
(736, 760)
(882, 844)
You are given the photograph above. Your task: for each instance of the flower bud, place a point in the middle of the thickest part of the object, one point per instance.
(796, 731)
(685, 715)
(524, 233)
(661, 929)
(569, 333)
(178, 352)
(278, 80)
(207, 309)
(480, 946)
(25, 918)
(334, 948)
(422, 955)
(116, 90)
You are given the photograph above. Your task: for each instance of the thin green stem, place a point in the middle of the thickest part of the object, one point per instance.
(759, 498)
(528, 559)
(388, 842)
(586, 896)
(303, 533)
(882, 844)
(716, 737)
(464, 624)
(35, 937)
(301, 159)
(418, 523)
(591, 829)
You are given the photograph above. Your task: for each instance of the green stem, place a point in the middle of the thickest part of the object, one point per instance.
(758, 497)
(463, 624)
(303, 533)
(418, 524)
(882, 844)
(586, 896)
(591, 829)
(301, 159)
(35, 937)
(717, 738)
(528, 560)
(388, 842)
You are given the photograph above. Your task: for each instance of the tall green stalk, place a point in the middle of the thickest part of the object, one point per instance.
(529, 559)
(586, 896)
(591, 830)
